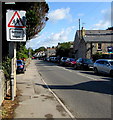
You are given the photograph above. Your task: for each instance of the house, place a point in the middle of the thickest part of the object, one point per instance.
(89, 42)
(50, 51)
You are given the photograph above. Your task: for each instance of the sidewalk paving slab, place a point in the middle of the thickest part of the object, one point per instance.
(36, 101)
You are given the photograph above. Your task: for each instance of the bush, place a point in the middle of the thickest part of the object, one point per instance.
(97, 56)
(6, 66)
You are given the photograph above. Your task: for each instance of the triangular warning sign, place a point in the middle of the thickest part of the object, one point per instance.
(16, 21)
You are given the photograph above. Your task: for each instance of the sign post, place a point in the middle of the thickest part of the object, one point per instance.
(16, 32)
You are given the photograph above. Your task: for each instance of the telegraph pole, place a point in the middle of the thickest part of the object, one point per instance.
(79, 29)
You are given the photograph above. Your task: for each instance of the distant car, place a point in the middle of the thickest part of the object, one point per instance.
(53, 59)
(33, 57)
(103, 66)
(20, 66)
(70, 62)
(63, 60)
(47, 59)
(84, 63)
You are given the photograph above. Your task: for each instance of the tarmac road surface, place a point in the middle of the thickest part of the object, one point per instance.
(85, 94)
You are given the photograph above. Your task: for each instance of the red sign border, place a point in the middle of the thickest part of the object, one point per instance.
(19, 19)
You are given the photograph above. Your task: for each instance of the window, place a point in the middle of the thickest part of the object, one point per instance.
(80, 60)
(99, 46)
(106, 63)
(100, 62)
(111, 62)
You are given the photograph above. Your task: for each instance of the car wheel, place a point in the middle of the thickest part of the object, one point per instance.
(75, 66)
(111, 73)
(95, 71)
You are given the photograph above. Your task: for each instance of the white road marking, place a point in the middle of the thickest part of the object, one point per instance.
(81, 74)
(65, 108)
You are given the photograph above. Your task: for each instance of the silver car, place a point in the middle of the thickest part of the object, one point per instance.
(104, 66)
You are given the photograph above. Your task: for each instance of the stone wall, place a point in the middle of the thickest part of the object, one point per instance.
(2, 86)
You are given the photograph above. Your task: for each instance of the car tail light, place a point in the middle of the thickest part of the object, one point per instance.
(21, 66)
(73, 62)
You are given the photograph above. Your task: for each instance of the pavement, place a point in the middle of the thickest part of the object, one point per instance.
(36, 101)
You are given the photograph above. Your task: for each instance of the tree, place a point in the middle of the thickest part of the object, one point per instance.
(63, 49)
(22, 52)
(36, 18)
(96, 56)
(110, 28)
(40, 49)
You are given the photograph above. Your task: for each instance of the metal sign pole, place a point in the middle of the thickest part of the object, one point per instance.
(12, 77)
(14, 69)
(13, 73)
(16, 32)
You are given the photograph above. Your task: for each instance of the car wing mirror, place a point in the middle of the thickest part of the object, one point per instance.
(108, 65)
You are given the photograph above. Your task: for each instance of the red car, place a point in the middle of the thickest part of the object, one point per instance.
(70, 62)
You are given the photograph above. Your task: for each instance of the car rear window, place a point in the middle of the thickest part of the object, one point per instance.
(111, 62)
(88, 61)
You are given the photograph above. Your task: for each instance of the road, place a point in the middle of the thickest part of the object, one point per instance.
(85, 94)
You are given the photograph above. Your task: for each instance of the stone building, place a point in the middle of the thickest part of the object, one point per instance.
(88, 42)
(50, 51)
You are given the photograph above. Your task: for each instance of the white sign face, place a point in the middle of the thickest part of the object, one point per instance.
(16, 25)
(16, 34)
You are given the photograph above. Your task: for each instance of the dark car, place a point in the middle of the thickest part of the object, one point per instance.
(20, 66)
(84, 63)
(63, 60)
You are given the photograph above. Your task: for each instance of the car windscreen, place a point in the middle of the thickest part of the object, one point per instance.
(71, 59)
(111, 62)
(88, 61)
(64, 58)
(19, 62)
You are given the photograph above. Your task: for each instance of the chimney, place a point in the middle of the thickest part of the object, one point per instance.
(83, 32)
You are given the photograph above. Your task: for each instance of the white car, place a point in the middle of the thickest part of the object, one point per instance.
(104, 66)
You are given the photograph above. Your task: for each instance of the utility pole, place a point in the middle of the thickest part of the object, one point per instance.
(79, 29)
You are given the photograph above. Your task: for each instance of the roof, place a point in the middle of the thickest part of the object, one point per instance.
(105, 59)
(105, 36)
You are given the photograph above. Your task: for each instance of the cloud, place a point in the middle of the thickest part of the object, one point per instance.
(80, 15)
(59, 14)
(52, 40)
(105, 22)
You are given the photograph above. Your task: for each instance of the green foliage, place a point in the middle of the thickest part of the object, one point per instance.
(36, 18)
(63, 49)
(22, 52)
(97, 56)
(6, 64)
(40, 49)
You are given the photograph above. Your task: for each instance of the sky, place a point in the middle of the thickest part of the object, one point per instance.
(64, 21)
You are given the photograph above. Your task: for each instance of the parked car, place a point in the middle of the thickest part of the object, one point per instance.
(70, 62)
(20, 66)
(84, 63)
(103, 66)
(33, 58)
(63, 60)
